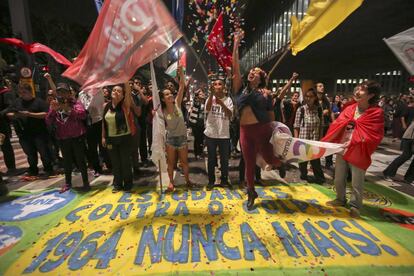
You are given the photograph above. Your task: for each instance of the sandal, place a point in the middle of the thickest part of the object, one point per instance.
(64, 188)
(170, 188)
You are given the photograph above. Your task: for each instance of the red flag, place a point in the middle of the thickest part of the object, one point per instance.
(35, 48)
(216, 45)
(367, 135)
(127, 35)
(183, 60)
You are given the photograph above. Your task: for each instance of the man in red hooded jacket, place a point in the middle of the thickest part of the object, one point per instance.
(360, 128)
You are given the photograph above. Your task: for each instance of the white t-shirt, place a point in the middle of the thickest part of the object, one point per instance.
(217, 123)
(93, 104)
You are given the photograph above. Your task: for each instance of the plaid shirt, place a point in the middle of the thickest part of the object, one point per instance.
(309, 123)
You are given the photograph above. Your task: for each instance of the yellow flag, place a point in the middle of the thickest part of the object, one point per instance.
(321, 18)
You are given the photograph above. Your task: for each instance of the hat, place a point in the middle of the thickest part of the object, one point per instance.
(219, 76)
(62, 86)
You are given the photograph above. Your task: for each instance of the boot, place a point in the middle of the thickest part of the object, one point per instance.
(251, 196)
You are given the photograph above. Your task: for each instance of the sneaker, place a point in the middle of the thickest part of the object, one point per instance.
(50, 173)
(86, 188)
(335, 203)
(319, 181)
(282, 171)
(127, 188)
(354, 212)
(115, 190)
(65, 188)
(210, 186)
(11, 172)
(225, 183)
(387, 177)
(3, 189)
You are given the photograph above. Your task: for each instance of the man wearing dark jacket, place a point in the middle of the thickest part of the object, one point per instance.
(28, 114)
(7, 97)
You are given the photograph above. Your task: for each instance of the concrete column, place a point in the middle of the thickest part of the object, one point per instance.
(20, 19)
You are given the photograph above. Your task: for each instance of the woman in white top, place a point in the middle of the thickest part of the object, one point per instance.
(176, 131)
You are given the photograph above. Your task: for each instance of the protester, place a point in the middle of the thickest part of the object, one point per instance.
(7, 99)
(326, 117)
(360, 128)
(308, 125)
(3, 188)
(398, 118)
(254, 104)
(408, 115)
(219, 110)
(117, 130)
(139, 91)
(135, 86)
(388, 114)
(279, 99)
(68, 116)
(336, 107)
(107, 94)
(196, 122)
(93, 106)
(407, 146)
(176, 131)
(28, 114)
(290, 108)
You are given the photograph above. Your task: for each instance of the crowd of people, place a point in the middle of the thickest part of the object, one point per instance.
(110, 130)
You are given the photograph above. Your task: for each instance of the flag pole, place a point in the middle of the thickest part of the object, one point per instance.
(197, 57)
(160, 172)
(279, 60)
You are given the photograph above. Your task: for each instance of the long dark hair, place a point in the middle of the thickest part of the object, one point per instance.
(120, 121)
(315, 95)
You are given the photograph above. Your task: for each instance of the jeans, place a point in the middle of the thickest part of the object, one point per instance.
(198, 139)
(74, 151)
(120, 152)
(407, 146)
(358, 178)
(37, 143)
(94, 138)
(224, 150)
(316, 167)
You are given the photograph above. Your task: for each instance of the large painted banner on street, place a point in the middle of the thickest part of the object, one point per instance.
(291, 230)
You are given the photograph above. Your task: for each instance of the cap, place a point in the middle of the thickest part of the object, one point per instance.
(62, 86)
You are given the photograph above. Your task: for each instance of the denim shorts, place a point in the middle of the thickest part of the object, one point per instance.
(177, 142)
